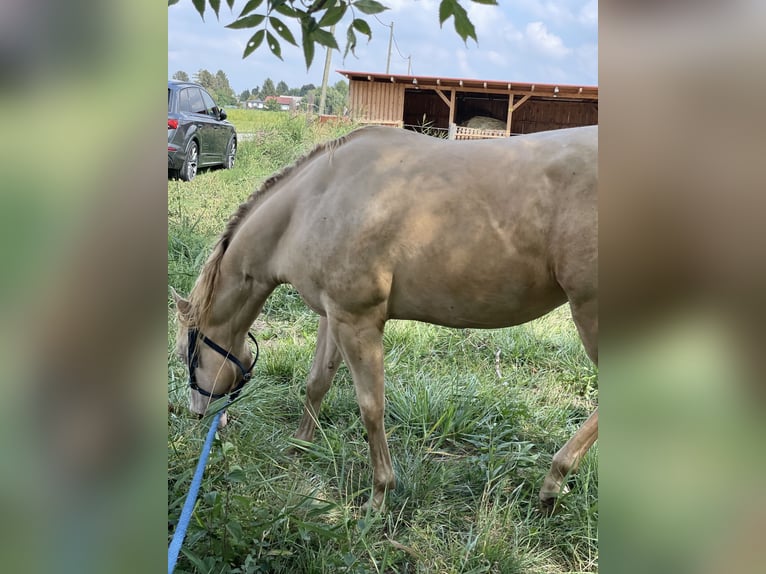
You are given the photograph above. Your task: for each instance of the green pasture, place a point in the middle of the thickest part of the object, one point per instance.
(473, 419)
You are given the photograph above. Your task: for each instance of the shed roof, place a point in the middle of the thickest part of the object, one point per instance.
(466, 84)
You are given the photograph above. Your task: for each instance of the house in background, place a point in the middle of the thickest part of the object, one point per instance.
(286, 103)
(454, 105)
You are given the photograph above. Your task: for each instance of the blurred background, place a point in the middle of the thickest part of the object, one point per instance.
(84, 290)
(682, 271)
(82, 245)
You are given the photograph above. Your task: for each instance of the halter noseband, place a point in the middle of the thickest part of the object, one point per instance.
(193, 359)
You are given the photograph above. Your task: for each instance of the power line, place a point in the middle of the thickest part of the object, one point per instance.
(399, 51)
(392, 39)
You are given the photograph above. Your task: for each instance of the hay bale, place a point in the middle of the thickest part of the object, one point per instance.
(485, 123)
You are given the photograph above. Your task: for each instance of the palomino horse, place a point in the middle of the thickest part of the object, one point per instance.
(388, 224)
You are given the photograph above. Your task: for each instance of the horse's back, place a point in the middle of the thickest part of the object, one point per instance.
(456, 233)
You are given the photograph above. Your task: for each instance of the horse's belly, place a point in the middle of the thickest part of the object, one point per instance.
(473, 304)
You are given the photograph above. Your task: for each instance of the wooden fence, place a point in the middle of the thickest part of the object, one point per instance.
(463, 133)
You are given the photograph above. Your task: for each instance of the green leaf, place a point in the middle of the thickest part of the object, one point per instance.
(333, 15)
(254, 42)
(230, 3)
(236, 474)
(285, 9)
(250, 6)
(446, 9)
(196, 561)
(216, 6)
(171, 2)
(247, 22)
(369, 6)
(325, 38)
(200, 6)
(282, 30)
(235, 529)
(488, 2)
(274, 46)
(308, 47)
(308, 23)
(463, 25)
(363, 27)
(350, 41)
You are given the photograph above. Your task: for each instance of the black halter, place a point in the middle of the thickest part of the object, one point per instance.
(193, 359)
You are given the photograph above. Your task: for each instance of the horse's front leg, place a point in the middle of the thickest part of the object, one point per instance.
(327, 359)
(361, 344)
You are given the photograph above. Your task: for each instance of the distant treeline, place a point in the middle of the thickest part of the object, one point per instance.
(218, 86)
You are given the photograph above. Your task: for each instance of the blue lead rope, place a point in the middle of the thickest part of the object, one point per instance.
(191, 498)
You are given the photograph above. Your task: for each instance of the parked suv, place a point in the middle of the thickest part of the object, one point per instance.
(198, 133)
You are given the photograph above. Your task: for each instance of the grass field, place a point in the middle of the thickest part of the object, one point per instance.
(473, 419)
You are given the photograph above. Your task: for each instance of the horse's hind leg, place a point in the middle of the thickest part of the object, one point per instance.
(567, 459)
(361, 343)
(327, 359)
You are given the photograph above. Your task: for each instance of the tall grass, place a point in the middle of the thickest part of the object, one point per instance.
(473, 419)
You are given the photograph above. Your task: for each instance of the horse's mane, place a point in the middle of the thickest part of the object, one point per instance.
(201, 296)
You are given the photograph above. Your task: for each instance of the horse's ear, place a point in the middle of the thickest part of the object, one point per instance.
(182, 304)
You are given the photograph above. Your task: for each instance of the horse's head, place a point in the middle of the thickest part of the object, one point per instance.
(219, 362)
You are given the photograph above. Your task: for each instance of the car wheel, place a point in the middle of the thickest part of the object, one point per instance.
(231, 154)
(189, 168)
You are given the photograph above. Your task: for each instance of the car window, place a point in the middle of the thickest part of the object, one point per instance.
(184, 105)
(196, 104)
(212, 109)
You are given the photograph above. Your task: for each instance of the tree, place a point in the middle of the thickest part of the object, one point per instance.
(205, 79)
(272, 105)
(282, 88)
(224, 94)
(306, 88)
(244, 96)
(268, 88)
(335, 102)
(316, 18)
(181, 76)
(342, 87)
(217, 85)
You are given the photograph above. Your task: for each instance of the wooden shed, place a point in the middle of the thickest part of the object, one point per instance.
(435, 104)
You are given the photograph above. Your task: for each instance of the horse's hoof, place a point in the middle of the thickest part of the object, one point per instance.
(376, 503)
(548, 504)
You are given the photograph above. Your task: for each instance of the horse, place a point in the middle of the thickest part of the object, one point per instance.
(384, 223)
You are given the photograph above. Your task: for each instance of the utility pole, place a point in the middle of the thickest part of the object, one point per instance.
(327, 61)
(390, 41)
(409, 65)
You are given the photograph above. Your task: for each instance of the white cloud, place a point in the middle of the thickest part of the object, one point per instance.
(541, 40)
(465, 68)
(497, 59)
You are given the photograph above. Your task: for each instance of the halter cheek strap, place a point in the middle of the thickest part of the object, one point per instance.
(193, 362)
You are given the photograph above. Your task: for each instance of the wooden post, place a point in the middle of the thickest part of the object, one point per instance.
(452, 131)
(451, 108)
(511, 109)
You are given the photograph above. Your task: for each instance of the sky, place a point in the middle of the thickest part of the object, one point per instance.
(535, 41)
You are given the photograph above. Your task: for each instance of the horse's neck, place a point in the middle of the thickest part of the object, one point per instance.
(233, 309)
(246, 274)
